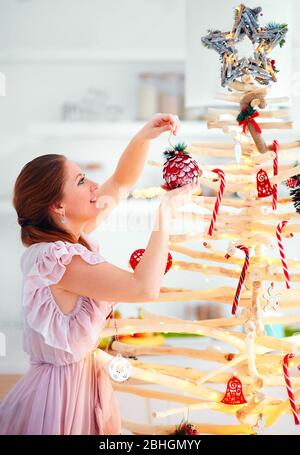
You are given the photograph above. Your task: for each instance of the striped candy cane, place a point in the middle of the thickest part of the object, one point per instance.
(218, 201)
(285, 367)
(282, 253)
(275, 172)
(242, 277)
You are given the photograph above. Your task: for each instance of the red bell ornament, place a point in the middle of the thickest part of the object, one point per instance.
(234, 392)
(264, 188)
(137, 256)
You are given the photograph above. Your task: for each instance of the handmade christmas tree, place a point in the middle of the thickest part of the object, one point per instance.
(248, 214)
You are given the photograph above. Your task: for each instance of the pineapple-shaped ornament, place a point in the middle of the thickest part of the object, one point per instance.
(180, 168)
(294, 184)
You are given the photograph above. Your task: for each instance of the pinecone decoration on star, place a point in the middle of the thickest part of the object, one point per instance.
(180, 168)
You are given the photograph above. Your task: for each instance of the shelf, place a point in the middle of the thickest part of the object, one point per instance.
(108, 130)
(93, 55)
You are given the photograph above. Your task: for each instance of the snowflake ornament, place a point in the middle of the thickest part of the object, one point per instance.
(272, 299)
(119, 368)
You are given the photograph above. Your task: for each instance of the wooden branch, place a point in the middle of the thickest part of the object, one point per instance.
(274, 113)
(250, 238)
(145, 326)
(209, 201)
(154, 394)
(284, 125)
(210, 355)
(157, 378)
(205, 269)
(242, 86)
(272, 363)
(189, 237)
(203, 428)
(283, 175)
(220, 407)
(231, 179)
(240, 218)
(216, 373)
(184, 411)
(229, 273)
(281, 409)
(204, 255)
(263, 158)
(266, 228)
(214, 377)
(227, 150)
(229, 188)
(236, 339)
(211, 294)
(215, 152)
(270, 343)
(236, 98)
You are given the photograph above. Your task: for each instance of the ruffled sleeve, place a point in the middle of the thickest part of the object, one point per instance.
(43, 266)
(51, 262)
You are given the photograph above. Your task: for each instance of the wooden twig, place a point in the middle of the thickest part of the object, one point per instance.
(284, 125)
(203, 428)
(214, 113)
(154, 394)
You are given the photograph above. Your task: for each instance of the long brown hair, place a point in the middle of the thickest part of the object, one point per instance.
(38, 186)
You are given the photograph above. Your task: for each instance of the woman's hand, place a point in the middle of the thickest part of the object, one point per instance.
(158, 125)
(172, 200)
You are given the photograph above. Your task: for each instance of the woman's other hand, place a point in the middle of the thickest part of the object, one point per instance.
(175, 199)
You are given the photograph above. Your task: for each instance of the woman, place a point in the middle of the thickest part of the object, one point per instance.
(68, 287)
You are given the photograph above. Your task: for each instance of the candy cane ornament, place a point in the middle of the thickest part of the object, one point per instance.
(282, 253)
(285, 367)
(219, 198)
(242, 277)
(275, 172)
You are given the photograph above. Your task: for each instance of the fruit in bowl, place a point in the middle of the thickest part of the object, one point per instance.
(105, 342)
(144, 335)
(143, 339)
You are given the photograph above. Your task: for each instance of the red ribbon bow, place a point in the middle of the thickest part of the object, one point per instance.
(250, 118)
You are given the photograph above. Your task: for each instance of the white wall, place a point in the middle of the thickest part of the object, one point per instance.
(54, 51)
(92, 24)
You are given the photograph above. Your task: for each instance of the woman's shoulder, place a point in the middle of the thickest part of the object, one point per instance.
(91, 241)
(38, 247)
(34, 251)
(59, 250)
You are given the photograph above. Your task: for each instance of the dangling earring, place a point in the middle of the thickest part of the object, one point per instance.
(63, 219)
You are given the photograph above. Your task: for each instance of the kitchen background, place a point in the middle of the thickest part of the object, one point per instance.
(81, 77)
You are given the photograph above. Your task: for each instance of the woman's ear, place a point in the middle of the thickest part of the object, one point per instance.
(56, 208)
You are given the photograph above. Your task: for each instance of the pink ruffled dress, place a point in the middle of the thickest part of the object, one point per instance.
(66, 390)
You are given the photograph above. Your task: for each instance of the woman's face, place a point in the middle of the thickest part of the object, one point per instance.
(79, 200)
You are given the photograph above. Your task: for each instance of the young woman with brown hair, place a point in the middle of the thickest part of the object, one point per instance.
(68, 288)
